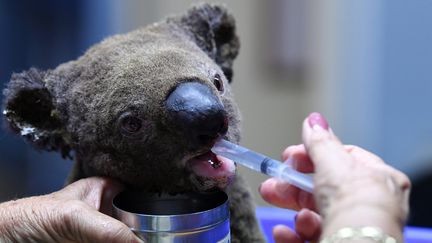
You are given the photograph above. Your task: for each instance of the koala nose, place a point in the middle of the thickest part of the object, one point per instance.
(198, 113)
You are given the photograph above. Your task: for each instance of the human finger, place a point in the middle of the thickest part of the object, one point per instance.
(297, 157)
(282, 194)
(283, 234)
(324, 149)
(98, 192)
(308, 225)
(84, 224)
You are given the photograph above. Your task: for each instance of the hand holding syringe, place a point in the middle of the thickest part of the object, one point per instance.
(263, 164)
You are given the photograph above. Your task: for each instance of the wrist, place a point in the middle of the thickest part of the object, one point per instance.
(366, 234)
(371, 204)
(361, 216)
(360, 210)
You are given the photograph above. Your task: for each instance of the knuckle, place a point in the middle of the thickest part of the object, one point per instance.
(401, 178)
(405, 182)
(320, 138)
(289, 151)
(286, 153)
(352, 148)
(92, 182)
(95, 182)
(317, 143)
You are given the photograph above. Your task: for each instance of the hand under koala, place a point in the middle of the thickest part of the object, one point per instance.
(144, 108)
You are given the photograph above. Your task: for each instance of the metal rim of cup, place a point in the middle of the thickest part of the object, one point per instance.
(217, 212)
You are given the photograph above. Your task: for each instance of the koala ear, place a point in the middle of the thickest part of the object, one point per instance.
(30, 111)
(213, 30)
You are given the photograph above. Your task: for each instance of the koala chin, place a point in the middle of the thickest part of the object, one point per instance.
(144, 108)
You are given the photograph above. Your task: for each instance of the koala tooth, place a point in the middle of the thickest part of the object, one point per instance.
(214, 164)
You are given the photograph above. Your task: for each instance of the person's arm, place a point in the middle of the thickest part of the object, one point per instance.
(353, 187)
(77, 213)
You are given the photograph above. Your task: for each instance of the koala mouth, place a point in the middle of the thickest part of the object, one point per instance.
(212, 170)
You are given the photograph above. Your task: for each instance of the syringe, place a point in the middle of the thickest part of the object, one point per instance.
(263, 164)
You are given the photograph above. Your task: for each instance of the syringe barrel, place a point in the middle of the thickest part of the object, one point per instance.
(262, 163)
(239, 154)
(288, 174)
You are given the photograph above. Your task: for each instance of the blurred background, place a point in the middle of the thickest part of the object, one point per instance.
(366, 65)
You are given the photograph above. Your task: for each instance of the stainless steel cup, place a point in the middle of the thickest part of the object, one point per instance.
(188, 217)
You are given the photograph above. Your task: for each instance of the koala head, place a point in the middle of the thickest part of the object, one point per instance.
(143, 107)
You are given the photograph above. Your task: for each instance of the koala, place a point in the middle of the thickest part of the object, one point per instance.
(144, 108)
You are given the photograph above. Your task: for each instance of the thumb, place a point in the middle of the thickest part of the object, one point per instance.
(324, 148)
(88, 225)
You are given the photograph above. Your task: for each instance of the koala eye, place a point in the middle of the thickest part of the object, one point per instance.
(130, 124)
(218, 83)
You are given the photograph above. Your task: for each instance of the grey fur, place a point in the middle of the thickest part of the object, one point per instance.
(76, 106)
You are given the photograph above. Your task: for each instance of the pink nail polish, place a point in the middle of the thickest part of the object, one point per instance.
(316, 118)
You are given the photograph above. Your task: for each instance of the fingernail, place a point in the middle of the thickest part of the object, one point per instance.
(316, 119)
